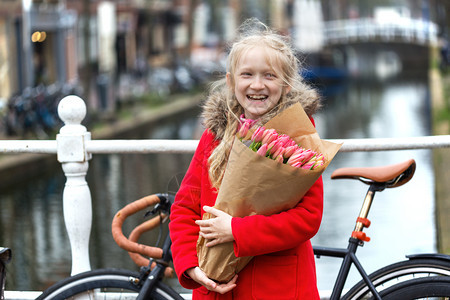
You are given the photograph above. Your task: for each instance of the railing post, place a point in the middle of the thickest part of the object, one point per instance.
(71, 151)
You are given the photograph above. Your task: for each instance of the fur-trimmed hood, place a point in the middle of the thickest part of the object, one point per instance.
(215, 108)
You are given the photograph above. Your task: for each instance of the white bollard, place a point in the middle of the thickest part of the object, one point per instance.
(71, 146)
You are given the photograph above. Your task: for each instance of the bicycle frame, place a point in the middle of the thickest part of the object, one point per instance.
(349, 258)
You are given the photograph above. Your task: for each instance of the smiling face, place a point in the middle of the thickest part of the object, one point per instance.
(255, 82)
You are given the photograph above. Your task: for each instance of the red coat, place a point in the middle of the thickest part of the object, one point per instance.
(283, 266)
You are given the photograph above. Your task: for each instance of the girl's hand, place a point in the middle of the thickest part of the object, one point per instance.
(199, 276)
(217, 230)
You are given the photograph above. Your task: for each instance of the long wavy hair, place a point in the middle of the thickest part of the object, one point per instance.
(284, 63)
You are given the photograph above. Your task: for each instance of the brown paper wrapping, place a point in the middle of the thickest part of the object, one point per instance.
(253, 184)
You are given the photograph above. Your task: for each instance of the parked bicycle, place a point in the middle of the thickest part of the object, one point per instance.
(34, 111)
(421, 276)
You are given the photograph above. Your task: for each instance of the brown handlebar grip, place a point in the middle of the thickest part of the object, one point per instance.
(134, 237)
(120, 217)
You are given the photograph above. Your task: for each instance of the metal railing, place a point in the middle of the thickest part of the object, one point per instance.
(74, 148)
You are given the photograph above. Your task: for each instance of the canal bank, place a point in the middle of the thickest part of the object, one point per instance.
(441, 157)
(15, 168)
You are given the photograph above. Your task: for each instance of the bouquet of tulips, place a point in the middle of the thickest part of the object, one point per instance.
(281, 148)
(253, 184)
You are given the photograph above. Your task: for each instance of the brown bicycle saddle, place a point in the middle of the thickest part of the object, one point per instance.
(398, 174)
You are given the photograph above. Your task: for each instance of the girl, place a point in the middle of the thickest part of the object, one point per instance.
(262, 79)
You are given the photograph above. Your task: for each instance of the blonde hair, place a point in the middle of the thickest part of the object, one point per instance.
(285, 63)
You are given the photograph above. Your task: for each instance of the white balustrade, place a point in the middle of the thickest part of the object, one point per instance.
(74, 148)
(72, 154)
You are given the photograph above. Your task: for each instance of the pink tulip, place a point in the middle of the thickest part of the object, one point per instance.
(268, 136)
(289, 151)
(294, 158)
(243, 130)
(262, 150)
(274, 146)
(308, 165)
(243, 120)
(292, 143)
(297, 164)
(311, 159)
(299, 150)
(318, 164)
(257, 135)
(279, 158)
(319, 157)
(309, 154)
(278, 152)
(284, 139)
(300, 155)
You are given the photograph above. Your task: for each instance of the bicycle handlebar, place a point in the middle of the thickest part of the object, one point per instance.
(124, 242)
(136, 234)
(135, 250)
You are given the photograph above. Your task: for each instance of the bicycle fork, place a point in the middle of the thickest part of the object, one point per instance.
(157, 272)
(150, 282)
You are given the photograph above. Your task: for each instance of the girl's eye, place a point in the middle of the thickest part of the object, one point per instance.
(271, 75)
(246, 74)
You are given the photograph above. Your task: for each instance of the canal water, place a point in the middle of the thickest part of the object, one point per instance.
(403, 222)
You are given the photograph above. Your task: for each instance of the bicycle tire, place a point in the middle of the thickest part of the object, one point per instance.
(437, 287)
(108, 283)
(397, 272)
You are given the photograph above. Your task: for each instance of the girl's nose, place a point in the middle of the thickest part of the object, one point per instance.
(257, 83)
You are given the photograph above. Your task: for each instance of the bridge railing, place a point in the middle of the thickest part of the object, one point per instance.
(74, 148)
(368, 29)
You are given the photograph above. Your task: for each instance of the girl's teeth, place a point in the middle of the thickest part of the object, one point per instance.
(261, 98)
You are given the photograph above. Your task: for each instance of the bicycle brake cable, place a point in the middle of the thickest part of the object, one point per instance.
(160, 228)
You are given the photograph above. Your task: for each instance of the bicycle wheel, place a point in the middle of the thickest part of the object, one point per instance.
(437, 287)
(398, 272)
(105, 284)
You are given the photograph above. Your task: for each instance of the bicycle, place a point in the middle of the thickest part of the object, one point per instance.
(420, 276)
